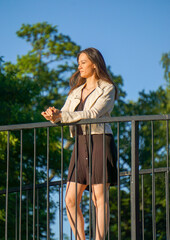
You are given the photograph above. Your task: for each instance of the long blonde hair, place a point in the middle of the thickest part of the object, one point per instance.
(95, 57)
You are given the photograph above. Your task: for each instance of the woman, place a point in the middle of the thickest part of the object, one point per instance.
(92, 95)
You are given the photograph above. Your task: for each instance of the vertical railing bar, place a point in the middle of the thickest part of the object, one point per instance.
(108, 224)
(48, 227)
(7, 185)
(93, 220)
(118, 181)
(143, 215)
(38, 234)
(167, 183)
(59, 213)
(153, 185)
(20, 203)
(76, 146)
(71, 234)
(104, 177)
(109, 233)
(34, 182)
(62, 157)
(27, 215)
(16, 217)
(134, 181)
(90, 184)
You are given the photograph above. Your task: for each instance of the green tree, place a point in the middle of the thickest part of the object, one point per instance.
(154, 102)
(46, 64)
(165, 60)
(37, 80)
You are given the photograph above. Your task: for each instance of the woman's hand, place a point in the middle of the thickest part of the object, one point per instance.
(51, 114)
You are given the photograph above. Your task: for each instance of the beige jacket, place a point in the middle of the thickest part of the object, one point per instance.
(98, 104)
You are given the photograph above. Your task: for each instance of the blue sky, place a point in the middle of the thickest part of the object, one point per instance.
(132, 35)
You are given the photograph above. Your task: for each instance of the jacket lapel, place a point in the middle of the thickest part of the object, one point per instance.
(93, 97)
(90, 100)
(76, 98)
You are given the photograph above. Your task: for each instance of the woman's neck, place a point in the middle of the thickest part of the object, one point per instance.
(91, 82)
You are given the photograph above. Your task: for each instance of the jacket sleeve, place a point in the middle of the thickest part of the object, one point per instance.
(67, 103)
(103, 105)
(64, 108)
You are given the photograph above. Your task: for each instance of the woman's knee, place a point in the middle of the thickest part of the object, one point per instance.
(71, 198)
(98, 197)
(98, 201)
(70, 201)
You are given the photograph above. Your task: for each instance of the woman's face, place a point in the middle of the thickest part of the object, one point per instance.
(85, 66)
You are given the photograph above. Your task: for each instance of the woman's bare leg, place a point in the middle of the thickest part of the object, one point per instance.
(98, 199)
(70, 200)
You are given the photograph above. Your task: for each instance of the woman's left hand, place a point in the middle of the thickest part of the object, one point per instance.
(52, 114)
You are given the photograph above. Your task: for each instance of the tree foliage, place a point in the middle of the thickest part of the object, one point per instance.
(38, 79)
(165, 60)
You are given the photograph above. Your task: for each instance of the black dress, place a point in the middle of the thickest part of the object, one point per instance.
(96, 156)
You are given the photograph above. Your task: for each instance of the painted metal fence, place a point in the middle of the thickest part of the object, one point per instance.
(137, 222)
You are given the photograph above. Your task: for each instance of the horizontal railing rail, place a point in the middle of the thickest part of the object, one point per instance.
(86, 121)
(58, 183)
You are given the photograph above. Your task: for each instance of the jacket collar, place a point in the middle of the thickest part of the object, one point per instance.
(98, 91)
(93, 97)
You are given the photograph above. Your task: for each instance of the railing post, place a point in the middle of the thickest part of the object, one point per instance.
(27, 217)
(62, 170)
(118, 182)
(16, 217)
(48, 196)
(76, 146)
(34, 184)
(167, 184)
(90, 185)
(134, 181)
(20, 201)
(104, 178)
(7, 188)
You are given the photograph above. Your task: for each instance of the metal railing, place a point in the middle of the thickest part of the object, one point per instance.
(137, 222)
